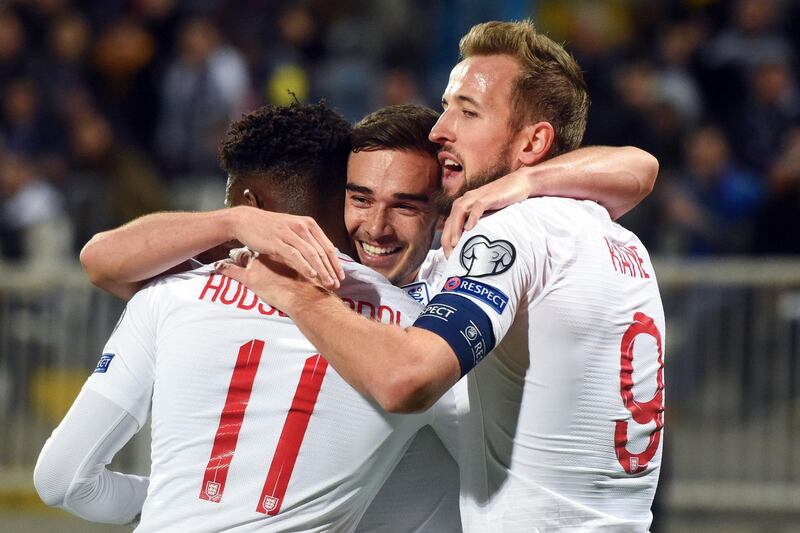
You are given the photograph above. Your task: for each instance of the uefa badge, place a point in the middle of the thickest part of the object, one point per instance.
(483, 257)
(471, 333)
(270, 503)
(212, 489)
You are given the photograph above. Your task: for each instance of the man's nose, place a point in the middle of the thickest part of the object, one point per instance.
(442, 131)
(378, 224)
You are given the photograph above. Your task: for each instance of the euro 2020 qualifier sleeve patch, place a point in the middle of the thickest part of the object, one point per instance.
(483, 257)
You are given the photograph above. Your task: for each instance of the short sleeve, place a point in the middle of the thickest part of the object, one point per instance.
(494, 267)
(126, 369)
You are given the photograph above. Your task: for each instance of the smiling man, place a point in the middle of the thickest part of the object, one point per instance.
(392, 181)
(390, 215)
(547, 306)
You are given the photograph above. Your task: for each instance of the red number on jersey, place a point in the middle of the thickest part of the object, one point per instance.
(230, 421)
(294, 429)
(643, 412)
(230, 424)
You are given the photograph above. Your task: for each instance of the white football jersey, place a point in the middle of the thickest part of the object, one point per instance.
(251, 429)
(562, 425)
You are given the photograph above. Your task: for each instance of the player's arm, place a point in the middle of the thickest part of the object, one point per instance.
(404, 370)
(112, 406)
(618, 178)
(122, 260)
(71, 471)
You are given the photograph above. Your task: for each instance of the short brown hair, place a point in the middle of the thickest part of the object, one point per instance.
(551, 86)
(397, 127)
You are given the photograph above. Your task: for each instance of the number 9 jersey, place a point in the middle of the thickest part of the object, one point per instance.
(562, 426)
(251, 429)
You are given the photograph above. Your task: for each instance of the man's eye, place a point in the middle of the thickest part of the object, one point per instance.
(468, 113)
(358, 199)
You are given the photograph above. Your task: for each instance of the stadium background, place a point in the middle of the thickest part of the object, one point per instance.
(112, 109)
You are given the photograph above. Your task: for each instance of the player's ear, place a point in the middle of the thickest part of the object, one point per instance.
(535, 142)
(252, 199)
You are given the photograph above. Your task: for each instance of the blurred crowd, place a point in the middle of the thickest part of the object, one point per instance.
(109, 107)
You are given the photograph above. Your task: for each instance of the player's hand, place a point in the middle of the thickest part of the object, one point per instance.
(467, 210)
(294, 241)
(273, 282)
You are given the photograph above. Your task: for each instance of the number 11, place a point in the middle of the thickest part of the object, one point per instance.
(230, 423)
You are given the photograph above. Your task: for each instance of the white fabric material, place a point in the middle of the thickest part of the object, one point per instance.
(537, 427)
(421, 494)
(71, 473)
(178, 341)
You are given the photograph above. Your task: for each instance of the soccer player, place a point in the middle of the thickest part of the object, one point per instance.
(393, 177)
(250, 427)
(562, 424)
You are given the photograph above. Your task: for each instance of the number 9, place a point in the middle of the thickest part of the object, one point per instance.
(643, 412)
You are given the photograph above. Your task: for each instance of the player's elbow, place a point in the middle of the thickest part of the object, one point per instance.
(89, 258)
(50, 481)
(406, 391)
(648, 165)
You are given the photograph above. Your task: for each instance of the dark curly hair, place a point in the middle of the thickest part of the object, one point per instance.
(302, 147)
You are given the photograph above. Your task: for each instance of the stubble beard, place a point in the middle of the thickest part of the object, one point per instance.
(499, 168)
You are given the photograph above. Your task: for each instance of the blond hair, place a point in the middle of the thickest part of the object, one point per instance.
(550, 86)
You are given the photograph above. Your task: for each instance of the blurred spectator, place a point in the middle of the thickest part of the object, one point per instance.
(83, 81)
(30, 130)
(65, 66)
(776, 232)
(205, 87)
(123, 58)
(636, 97)
(596, 36)
(730, 57)
(34, 228)
(754, 37)
(712, 204)
(14, 62)
(772, 109)
(112, 183)
(346, 76)
(284, 70)
(676, 84)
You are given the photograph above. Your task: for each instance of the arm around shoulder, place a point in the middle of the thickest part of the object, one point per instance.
(404, 370)
(121, 260)
(618, 178)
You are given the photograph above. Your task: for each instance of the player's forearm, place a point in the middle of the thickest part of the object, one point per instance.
(618, 178)
(390, 364)
(119, 259)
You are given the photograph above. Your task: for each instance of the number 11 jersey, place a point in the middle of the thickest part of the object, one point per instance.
(251, 429)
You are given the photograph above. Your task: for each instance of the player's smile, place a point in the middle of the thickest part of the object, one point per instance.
(452, 169)
(382, 257)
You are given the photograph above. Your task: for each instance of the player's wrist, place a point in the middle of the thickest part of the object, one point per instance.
(233, 219)
(309, 300)
(531, 182)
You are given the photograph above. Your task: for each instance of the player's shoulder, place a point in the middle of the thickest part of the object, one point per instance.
(179, 282)
(544, 215)
(364, 284)
(546, 208)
